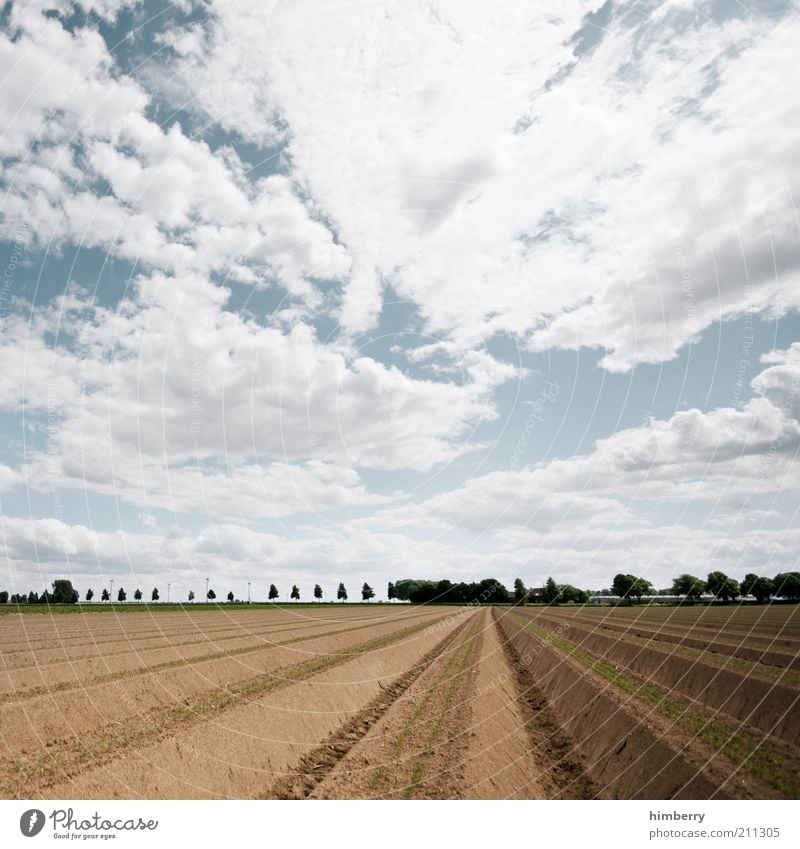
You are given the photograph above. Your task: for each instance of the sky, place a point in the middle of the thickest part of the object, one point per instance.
(308, 292)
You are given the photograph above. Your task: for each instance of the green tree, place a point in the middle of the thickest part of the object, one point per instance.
(341, 593)
(211, 595)
(230, 596)
(520, 593)
(721, 586)
(550, 592)
(33, 598)
(137, 594)
(689, 586)
(121, 595)
(629, 586)
(295, 594)
(63, 592)
(762, 589)
(273, 592)
(191, 595)
(787, 585)
(568, 593)
(154, 596)
(3, 597)
(89, 594)
(391, 591)
(367, 592)
(105, 596)
(317, 592)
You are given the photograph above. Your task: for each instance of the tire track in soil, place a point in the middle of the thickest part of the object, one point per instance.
(320, 763)
(563, 775)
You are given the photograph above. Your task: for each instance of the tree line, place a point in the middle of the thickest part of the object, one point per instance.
(785, 585)
(63, 592)
(630, 588)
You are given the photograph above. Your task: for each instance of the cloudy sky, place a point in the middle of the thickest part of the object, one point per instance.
(310, 291)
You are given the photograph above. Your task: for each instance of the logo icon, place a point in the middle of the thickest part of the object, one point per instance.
(31, 822)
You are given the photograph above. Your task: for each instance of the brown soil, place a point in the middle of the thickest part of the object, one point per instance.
(415, 748)
(768, 706)
(505, 758)
(411, 702)
(756, 649)
(24, 670)
(239, 752)
(34, 724)
(623, 756)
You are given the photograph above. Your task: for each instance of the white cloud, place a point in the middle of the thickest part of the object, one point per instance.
(647, 193)
(643, 476)
(170, 400)
(86, 166)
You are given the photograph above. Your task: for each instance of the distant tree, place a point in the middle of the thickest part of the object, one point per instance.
(121, 595)
(551, 592)
(63, 592)
(230, 596)
(520, 593)
(89, 594)
(33, 598)
(689, 586)
(191, 595)
(3, 597)
(721, 586)
(317, 592)
(567, 593)
(273, 592)
(154, 595)
(391, 591)
(341, 593)
(295, 594)
(490, 591)
(104, 596)
(762, 589)
(211, 595)
(137, 594)
(621, 585)
(367, 592)
(629, 586)
(46, 597)
(787, 585)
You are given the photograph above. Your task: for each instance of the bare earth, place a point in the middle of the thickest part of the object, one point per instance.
(402, 702)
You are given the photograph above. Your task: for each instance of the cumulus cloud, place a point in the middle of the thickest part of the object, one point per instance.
(85, 165)
(626, 198)
(647, 476)
(621, 182)
(171, 400)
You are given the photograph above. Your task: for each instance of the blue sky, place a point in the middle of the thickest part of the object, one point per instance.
(300, 293)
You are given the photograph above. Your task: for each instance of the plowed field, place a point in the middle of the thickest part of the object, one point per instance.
(402, 702)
